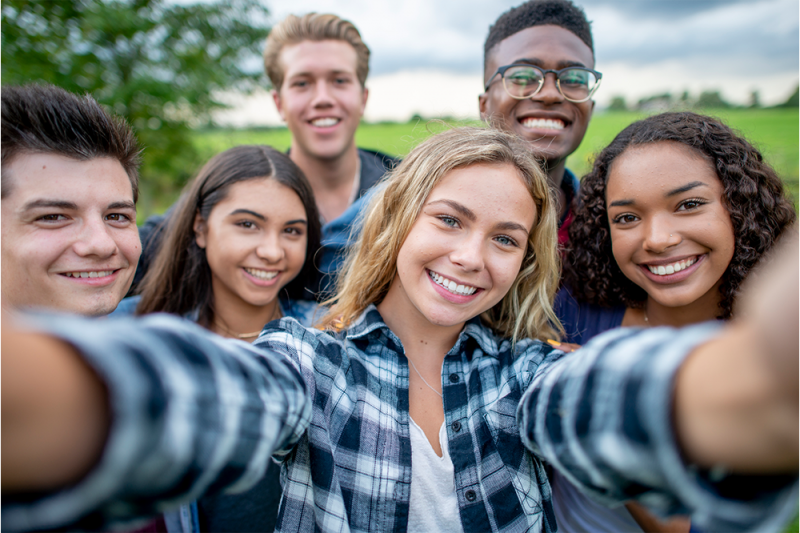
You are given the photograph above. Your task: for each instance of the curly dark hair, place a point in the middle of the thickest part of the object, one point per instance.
(753, 193)
(538, 13)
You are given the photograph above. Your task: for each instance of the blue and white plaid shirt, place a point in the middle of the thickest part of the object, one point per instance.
(193, 412)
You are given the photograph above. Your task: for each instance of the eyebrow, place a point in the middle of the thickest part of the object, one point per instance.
(673, 192)
(122, 205)
(511, 226)
(58, 204)
(462, 209)
(685, 188)
(535, 61)
(468, 214)
(248, 212)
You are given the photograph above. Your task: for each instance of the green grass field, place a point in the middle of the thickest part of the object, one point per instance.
(773, 131)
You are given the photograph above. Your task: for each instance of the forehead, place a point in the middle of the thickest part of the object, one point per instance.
(494, 190)
(548, 45)
(658, 168)
(307, 57)
(53, 176)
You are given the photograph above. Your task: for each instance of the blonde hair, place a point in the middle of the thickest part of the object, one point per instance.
(526, 310)
(312, 27)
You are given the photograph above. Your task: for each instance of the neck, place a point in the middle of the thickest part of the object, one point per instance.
(701, 310)
(424, 343)
(555, 175)
(330, 179)
(234, 318)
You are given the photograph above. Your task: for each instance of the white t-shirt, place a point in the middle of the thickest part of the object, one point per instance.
(433, 505)
(577, 513)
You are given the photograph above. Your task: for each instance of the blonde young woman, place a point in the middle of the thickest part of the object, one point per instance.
(429, 403)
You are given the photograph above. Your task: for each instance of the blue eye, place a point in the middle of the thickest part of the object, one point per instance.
(506, 240)
(449, 221)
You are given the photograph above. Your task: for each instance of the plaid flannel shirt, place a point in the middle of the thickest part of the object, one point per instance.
(193, 412)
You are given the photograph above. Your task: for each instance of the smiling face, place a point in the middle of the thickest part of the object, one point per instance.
(553, 126)
(69, 237)
(321, 99)
(465, 249)
(671, 234)
(255, 242)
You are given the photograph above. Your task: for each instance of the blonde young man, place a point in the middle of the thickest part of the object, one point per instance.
(318, 67)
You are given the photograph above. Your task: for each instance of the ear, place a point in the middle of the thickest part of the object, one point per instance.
(364, 97)
(482, 105)
(200, 230)
(276, 97)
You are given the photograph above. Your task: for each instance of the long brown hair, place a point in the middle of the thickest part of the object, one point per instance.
(526, 310)
(180, 280)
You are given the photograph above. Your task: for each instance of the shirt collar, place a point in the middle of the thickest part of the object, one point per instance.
(371, 321)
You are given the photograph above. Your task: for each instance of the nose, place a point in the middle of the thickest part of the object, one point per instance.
(269, 248)
(549, 92)
(95, 239)
(322, 94)
(468, 255)
(660, 236)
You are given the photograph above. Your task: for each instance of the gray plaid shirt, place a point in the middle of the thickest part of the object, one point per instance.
(193, 412)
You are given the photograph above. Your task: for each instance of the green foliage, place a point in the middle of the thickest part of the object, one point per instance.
(711, 100)
(793, 100)
(160, 65)
(618, 104)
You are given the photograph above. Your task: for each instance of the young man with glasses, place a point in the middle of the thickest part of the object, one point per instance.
(539, 80)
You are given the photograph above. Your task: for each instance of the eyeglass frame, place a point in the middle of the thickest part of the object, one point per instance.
(502, 71)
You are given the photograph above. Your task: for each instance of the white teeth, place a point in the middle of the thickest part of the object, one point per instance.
(671, 269)
(451, 285)
(261, 274)
(93, 274)
(543, 123)
(325, 122)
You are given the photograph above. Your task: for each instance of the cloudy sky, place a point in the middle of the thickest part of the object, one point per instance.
(427, 54)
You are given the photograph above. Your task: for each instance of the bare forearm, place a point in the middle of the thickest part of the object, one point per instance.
(55, 415)
(736, 396)
(650, 524)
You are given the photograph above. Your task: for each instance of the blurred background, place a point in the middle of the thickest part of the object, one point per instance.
(188, 75)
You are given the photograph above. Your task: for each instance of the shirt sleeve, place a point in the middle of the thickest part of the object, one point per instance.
(191, 413)
(602, 416)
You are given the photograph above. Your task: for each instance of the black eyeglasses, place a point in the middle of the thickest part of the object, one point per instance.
(521, 81)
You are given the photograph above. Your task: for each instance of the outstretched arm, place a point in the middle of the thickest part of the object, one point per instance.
(150, 412)
(676, 418)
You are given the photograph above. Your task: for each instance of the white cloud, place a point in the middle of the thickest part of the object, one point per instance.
(425, 53)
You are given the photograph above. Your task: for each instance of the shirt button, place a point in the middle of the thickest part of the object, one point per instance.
(456, 426)
(453, 378)
(470, 495)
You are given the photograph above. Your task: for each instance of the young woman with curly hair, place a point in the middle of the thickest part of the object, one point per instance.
(675, 213)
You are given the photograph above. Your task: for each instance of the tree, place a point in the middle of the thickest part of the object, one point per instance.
(159, 64)
(711, 100)
(793, 100)
(618, 104)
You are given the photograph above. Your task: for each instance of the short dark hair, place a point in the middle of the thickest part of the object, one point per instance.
(538, 13)
(47, 119)
(180, 280)
(752, 192)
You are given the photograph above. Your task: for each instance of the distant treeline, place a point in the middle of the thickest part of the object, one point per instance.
(706, 100)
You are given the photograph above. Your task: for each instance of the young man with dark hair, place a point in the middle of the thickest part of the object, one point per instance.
(69, 190)
(539, 80)
(318, 66)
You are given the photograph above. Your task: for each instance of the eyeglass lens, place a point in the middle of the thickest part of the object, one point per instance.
(574, 83)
